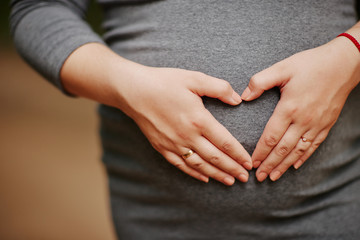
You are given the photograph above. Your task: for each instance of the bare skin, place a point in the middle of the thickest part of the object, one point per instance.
(166, 104)
(314, 86)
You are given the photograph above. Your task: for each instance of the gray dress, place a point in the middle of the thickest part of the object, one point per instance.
(232, 40)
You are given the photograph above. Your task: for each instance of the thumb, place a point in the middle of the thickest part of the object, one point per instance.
(217, 88)
(264, 80)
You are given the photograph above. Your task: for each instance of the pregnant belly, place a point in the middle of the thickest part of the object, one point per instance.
(229, 53)
(143, 175)
(245, 122)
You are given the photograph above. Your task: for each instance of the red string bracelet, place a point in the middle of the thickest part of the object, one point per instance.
(357, 44)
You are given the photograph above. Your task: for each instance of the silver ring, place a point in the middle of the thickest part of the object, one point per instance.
(304, 139)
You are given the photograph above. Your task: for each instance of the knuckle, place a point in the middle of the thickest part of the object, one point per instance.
(316, 144)
(300, 151)
(197, 121)
(270, 140)
(226, 87)
(307, 119)
(218, 175)
(199, 165)
(180, 166)
(255, 80)
(200, 76)
(290, 109)
(282, 150)
(226, 146)
(268, 167)
(302, 159)
(215, 160)
(180, 133)
(279, 169)
(280, 66)
(335, 111)
(236, 172)
(157, 146)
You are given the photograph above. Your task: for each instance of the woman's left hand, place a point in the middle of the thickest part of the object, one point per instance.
(314, 86)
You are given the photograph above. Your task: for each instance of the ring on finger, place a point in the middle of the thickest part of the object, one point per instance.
(188, 154)
(304, 139)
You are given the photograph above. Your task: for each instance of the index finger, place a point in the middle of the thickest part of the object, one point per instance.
(218, 135)
(274, 130)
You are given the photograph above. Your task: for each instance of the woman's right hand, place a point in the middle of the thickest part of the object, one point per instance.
(166, 104)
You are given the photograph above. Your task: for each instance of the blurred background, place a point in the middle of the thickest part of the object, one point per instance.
(52, 182)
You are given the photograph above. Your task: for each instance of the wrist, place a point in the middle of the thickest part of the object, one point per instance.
(348, 57)
(124, 80)
(354, 32)
(95, 72)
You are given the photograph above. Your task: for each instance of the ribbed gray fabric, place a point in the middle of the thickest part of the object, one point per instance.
(49, 32)
(232, 40)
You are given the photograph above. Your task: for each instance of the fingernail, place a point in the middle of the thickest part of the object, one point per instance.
(236, 97)
(262, 176)
(204, 179)
(246, 93)
(256, 164)
(229, 181)
(243, 177)
(247, 165)
(298, 164)
(275, 175)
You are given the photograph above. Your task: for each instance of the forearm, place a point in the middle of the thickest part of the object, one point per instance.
(94, 71)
